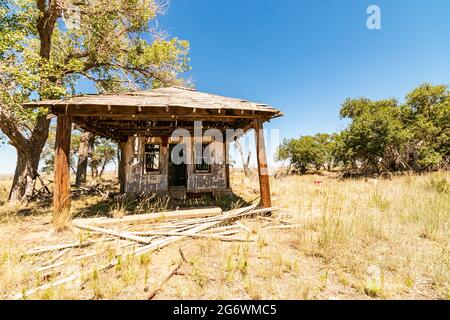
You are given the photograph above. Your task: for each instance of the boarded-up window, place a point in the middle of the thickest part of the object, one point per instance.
(203, 160)
(151, 158)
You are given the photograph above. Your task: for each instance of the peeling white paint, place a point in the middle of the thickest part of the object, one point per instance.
(138, 181)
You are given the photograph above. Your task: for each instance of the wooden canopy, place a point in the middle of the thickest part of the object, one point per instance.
(157, 112)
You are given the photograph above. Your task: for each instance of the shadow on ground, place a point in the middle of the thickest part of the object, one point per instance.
(129, 204)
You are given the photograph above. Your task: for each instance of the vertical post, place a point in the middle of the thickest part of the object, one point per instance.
(263, 171)
(227, 162)
(61, 196)
(122, 163)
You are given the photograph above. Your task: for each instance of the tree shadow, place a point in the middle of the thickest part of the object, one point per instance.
(100, 208)
(34, 208)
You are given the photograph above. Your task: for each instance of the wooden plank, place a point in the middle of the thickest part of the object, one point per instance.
(167, 117)
(105, 131)
(81, 257)
(167, 278)
(196, 235)
(243, 226)
(184, 234)
(169, 215)
(107, 109)
(76, 244)
(159, 244)
(136, 253)
(263, 170)
(61, 198)
(119, 234)
(157, 98)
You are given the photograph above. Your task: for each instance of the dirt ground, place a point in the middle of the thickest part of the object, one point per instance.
(355, 239)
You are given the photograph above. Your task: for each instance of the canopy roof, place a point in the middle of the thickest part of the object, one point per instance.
(157, 112)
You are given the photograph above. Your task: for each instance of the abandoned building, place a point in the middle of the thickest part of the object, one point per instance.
(148, 125)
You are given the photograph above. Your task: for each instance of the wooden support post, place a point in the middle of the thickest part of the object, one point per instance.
(226, 147)
(122, 148)
(263, 170)
(61, 196)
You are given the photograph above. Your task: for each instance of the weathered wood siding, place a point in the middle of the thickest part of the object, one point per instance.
(216, 179)
(135, 178)
(138, 181)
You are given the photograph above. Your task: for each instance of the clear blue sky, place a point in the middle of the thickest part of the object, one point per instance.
(306, 57)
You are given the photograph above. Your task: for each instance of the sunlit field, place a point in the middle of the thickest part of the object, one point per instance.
(346, 239)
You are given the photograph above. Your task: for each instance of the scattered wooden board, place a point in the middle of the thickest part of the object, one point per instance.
(170, 275)
(193, 225)
(139, 218)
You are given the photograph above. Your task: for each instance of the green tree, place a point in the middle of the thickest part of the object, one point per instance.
(375, 136)
(307, 151)
(426, 115)
(327, 147)
(384, 135)
(114, 47)
(47, 156)
(104, 152)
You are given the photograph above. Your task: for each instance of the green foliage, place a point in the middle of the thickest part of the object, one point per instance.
(427, 117)
(103, 153)
(308, 151)
(382, 135)
(47, 156)
(375, 129)
(114, 46)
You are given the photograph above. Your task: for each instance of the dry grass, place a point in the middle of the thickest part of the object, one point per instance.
(360, 239)
(399, 228)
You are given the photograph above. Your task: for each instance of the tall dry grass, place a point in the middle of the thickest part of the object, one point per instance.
(358, 238)
(4, 191)
(399, 228)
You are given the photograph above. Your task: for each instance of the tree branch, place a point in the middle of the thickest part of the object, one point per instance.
(9, 127)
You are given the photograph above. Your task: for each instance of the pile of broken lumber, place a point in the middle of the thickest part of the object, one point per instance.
(100, 189)
(137, 235)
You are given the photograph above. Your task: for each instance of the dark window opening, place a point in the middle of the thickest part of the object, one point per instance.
(201, 163)
(151, 158)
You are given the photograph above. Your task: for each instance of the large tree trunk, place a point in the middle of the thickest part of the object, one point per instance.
(83, 155)
(93, 164)
(102, 170)
(28, 155)
(121, 157)
(25, 175)
(29, 149)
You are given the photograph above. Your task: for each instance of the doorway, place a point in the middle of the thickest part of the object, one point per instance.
(177, 172)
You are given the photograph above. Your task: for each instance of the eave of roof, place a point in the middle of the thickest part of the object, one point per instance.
(162, 97)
